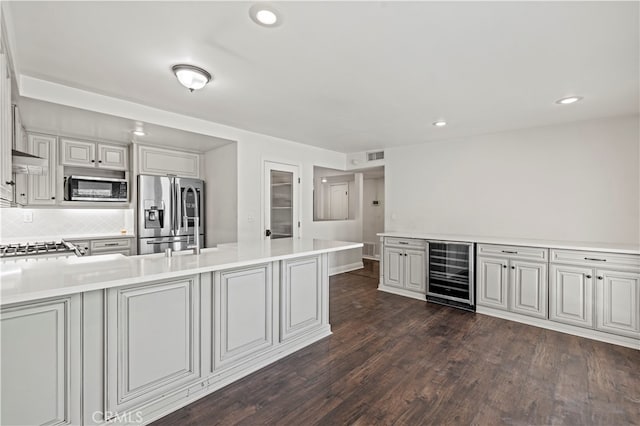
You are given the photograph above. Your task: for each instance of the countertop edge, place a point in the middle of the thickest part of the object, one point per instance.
(563, 245)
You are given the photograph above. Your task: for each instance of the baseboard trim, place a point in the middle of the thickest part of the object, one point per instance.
(402, 292)
(562, 328)
(334, 270)
(371, 258)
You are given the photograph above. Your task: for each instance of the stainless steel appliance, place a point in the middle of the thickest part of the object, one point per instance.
(167, 210)
(92, 188)
(38, 251)
(450, 278)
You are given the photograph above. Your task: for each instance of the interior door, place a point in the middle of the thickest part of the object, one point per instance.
(280, 198)
(339, 201)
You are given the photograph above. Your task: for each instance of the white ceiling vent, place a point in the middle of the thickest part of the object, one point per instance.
(373, 156)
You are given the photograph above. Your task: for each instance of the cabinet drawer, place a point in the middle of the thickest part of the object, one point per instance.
(115, 244)
(405, 242)
(594, 258)
(514, 252)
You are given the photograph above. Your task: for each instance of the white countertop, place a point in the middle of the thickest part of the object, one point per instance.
(567, 245)
(30, 280)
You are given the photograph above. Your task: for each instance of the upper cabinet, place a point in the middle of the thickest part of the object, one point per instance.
(42, 189)
(93, 154)
(160, 161)
(6, 183)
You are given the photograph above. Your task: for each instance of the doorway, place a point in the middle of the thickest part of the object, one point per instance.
(372, 212)
(280, 200)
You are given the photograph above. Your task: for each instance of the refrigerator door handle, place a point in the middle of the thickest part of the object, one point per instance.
(176, 210)
(169, 242)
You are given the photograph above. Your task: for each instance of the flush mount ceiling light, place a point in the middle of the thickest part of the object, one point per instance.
(569, 100)
(191, 77)
(440, 123)
(265, 15)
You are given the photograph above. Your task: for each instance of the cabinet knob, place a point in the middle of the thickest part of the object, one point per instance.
(588, 276)
(99, 161)
(599, 277)
(504, 266)
(93, 161)
(513, 267)
(53, 198)
(10, 182)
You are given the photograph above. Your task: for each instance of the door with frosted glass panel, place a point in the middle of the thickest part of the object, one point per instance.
(281, 200)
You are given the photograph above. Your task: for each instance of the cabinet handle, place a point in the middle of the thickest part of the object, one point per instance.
(595, 260)
(510, 252)
(23, 194)
(402, 242)
(504, 266)
(599, 277)
(110, 244)
(10, 182)
(588, 276)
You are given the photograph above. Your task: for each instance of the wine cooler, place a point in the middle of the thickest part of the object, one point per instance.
(450, 279)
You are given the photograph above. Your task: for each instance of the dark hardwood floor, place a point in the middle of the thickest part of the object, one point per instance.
(393, 360)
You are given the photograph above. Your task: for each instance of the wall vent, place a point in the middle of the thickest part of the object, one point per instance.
(371, 250)
(373, 156)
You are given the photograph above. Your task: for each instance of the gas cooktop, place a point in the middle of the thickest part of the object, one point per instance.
(39, 249)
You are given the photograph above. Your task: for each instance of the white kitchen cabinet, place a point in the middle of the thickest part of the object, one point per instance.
(571, 295)
(596, 290)
(242, 314)
(6, 182)
(301, 295)
(152, 341)
(40, 362)
(112, 246)
(42, 189)
(513, 279)
(405, 264)
(528, 288)
(618, 302)
(492, 281)
(160, 161)
(93, 154)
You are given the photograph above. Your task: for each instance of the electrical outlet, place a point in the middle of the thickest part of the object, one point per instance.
(27, 217)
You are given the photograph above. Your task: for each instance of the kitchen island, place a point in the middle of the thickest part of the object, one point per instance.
(130, 339)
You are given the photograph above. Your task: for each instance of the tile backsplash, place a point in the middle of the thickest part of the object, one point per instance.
(32, 224)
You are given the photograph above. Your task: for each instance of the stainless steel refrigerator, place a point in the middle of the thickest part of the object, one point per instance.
(162, 201)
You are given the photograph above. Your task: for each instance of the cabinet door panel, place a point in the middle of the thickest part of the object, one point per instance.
(571, 295)
(393, 267)
(492, 282)
(40, 363)
(42, 189)
(157, 161)
(529, 288)
(243, 314)
(618, 302)
(77, 153)
(414, 262)
(152, 341)
(113, 157)
(301, 294)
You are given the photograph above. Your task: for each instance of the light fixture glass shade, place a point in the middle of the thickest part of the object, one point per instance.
(191, 77)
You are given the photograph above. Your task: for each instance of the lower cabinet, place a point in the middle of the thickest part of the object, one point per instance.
(242, 314)
(152, 341)
(596, 290)
(404, 266)
(301, 297)
(513, 285)
(40, 362)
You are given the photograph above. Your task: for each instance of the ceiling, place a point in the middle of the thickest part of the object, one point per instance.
(346, 76)
(67, 121)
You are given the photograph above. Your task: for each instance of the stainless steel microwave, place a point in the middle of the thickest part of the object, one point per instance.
(92, 188)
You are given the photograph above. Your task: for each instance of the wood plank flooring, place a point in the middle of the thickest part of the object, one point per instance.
(393, 360)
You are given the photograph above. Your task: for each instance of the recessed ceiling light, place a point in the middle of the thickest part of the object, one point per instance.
(569, 100)
(139, 132)
(440, 123)
(265, 15)
(191, 77)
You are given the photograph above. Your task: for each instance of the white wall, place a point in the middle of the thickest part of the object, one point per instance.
(372, 215)
(253, 150)
(221, 189)
(574, 182)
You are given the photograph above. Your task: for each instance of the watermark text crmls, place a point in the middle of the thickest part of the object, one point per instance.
(116, 417)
